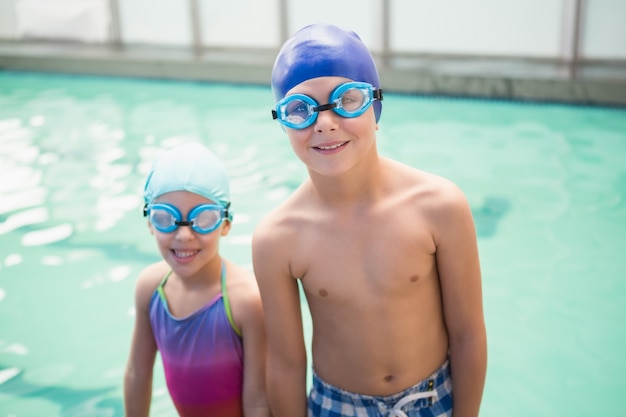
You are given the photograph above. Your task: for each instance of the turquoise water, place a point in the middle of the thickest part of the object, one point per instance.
(547, 185)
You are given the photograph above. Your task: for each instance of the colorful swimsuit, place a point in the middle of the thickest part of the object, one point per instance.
(202, 356)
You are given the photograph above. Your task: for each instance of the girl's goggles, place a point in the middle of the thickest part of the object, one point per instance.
(351, 99)
(203, 219)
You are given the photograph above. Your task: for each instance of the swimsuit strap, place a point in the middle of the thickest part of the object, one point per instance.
(160, 287)
(229, 312)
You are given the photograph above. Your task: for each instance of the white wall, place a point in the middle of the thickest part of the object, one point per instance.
(240, 23)
(8, 19)
(23, 19)
(161, 22)
(486, 27)
(85, 20)
(527, 28)
(604, 32)
(362, 16)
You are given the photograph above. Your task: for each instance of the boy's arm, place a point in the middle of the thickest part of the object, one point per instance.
(139, 368)
(252, 327)
(286, 359)
(460, 277)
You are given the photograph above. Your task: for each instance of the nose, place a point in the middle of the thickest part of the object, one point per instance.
(327, 121)
(184, 232)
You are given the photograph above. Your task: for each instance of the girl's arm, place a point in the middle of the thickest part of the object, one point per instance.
(249, 318)
(139, 368)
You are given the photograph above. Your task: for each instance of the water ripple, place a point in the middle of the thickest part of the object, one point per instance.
(24, 218)
(13, 259)
(49, 235)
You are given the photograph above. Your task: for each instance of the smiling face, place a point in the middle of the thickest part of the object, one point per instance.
(333, 144)
(188, 252)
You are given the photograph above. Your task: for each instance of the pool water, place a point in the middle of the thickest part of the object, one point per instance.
(547, 186)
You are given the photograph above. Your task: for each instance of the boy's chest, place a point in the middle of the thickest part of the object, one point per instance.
(343, 261)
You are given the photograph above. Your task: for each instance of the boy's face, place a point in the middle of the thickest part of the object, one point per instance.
(332, 144)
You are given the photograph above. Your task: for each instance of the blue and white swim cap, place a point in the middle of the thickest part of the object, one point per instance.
(323, 50)
(188, 167)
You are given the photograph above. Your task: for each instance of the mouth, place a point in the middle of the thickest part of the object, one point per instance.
(330, 147)
(184, 254)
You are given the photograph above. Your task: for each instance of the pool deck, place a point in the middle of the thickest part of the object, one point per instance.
(600, 83)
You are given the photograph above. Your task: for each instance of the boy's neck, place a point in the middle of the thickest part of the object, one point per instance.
(360, 185)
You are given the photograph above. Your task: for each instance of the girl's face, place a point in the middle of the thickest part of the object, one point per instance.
(186, 251)
(333, 144)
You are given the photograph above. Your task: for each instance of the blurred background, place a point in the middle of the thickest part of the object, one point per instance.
(564, 50)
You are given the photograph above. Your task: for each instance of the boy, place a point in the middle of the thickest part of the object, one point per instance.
(200, 311)
(386, 254)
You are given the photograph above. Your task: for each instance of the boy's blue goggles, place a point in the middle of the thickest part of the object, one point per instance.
(203, 219)
(351, 99)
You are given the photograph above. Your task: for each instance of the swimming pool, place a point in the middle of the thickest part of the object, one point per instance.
(547, 185)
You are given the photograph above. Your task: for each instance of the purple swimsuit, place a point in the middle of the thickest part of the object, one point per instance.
(202, 356)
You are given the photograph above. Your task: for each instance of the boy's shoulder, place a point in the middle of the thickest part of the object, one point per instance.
(402, 173)
(426, 191)
(281, 214)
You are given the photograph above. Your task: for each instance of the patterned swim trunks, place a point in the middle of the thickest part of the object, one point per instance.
(431, 397)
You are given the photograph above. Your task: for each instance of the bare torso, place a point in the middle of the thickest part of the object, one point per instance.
(374, 291)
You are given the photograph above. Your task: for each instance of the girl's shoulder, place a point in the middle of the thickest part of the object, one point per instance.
(240, 280)
(242, 290)
(149, 279)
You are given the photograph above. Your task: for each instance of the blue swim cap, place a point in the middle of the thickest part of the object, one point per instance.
(189, 167)
(323, 50)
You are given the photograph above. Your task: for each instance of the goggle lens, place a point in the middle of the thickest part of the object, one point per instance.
(162, 220)
(297, 110)
(354, 100)
(207, 219)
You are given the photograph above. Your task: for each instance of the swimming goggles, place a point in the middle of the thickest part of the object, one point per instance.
(203, 219)
(350, 100)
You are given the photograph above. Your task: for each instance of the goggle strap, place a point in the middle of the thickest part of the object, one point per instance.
(226, 215)
(145, 210)
(274, 115)
(378, 94)
(325, 107)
